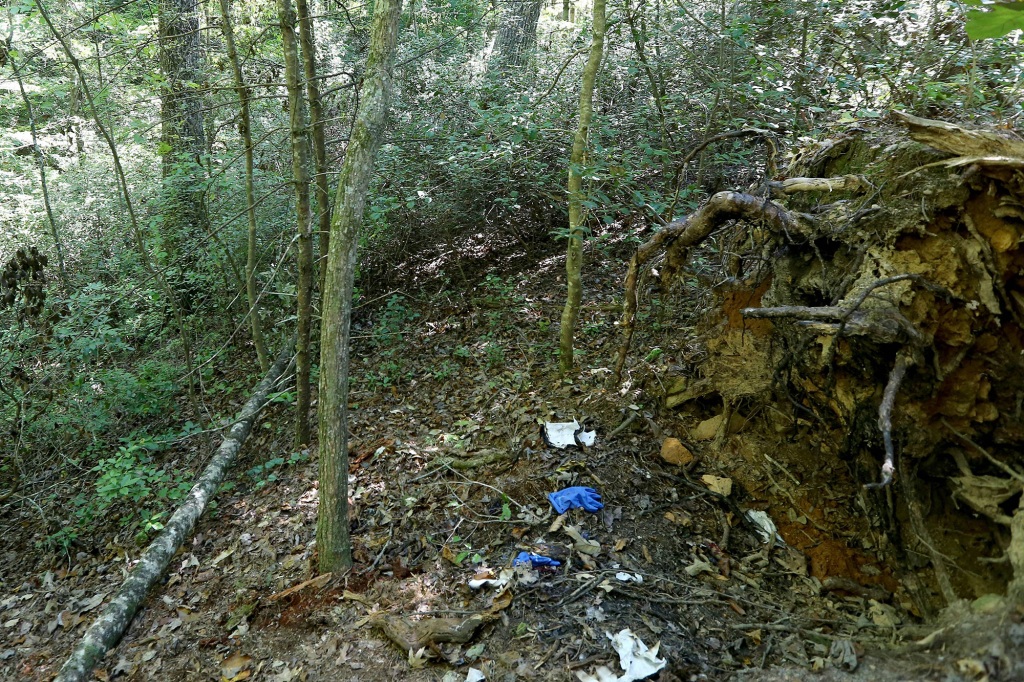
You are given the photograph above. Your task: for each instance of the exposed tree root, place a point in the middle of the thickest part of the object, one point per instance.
(899, 370)
(689, 232)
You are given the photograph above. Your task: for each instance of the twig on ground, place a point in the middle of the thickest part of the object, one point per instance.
(624, 425)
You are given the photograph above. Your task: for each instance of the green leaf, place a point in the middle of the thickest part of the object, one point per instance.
(995, 21)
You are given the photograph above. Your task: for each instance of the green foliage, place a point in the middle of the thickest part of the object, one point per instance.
(994, 20)
(393, 321)
(266, 473)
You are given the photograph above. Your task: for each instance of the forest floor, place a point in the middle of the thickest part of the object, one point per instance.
(448, 483)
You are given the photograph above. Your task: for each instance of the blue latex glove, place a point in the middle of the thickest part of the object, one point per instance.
(576, 497)
(534, 560)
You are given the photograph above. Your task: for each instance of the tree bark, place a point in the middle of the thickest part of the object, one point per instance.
(182, 135)
(245, 131)
(316, 123)
(517, 35)
(332, 538)
(574, 251)
(107, 630)
(300, 173)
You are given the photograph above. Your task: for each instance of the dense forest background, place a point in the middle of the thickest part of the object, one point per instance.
(169, 170)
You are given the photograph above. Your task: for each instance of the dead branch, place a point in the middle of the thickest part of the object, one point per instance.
(687, 233)
(107, 630)
(883, 326)
(412, 635)
(846, 183)
(963, 142)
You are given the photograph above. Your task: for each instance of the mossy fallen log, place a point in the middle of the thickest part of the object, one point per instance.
(106, 631)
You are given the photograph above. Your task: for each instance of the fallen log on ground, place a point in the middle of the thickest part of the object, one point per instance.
(106, 631)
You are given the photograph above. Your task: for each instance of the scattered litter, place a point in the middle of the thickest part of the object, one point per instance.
(486, 578)
(766, 528)
(576, 497)
(472, 675)
(533, 560)
(635, 658)
(564, 434)
(717, 484)
(629, 577)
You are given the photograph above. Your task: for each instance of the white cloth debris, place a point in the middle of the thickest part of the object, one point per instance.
(564, 434)
(635, 658)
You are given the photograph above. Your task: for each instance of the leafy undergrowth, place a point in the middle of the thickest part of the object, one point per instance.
(448, 482)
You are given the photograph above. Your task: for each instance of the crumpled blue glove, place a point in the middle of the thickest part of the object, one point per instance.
(534, 560)
(576, 497)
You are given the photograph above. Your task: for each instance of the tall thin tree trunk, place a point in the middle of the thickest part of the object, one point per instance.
(38, 153)
(517, 35)
(574, 251)
(316, 122)
(183, 137)
(300, 171)
(332, 538)
(122, 184)
(245, 130)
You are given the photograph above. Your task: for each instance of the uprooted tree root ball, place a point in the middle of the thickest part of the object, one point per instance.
(868, 347)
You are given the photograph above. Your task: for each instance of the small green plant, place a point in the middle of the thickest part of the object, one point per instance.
(446, 370)
(262, 474)
(393, 321)
(494, 353)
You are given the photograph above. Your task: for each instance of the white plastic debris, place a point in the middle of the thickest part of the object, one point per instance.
(473, 675)
(488, 579)
(766, 528)
(629, 577)
(564, 434)
(635, 658)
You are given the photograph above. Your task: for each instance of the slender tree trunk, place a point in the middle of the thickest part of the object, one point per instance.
(332, 539)
(300, 171)
(122, 184)
(182, 136)
(245, 130)
(38, 153)
(518, 34)
(574, 252)
(316, 122)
